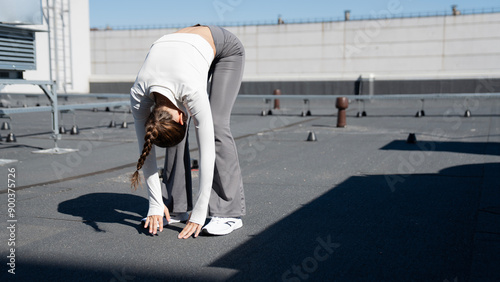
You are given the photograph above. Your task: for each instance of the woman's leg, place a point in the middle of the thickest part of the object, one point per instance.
(227, 198)
(177, 177)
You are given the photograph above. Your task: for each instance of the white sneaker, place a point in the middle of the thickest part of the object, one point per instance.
(178, 217)
(222, 225)
(165, 222)
(174, 218)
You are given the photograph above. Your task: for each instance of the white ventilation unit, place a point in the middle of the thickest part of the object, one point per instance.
(17, 49)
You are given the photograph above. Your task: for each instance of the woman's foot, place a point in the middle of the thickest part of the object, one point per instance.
(222, 225)
(178, 217)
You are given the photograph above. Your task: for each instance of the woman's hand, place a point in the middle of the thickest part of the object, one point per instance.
(154, 221)
(190, 228)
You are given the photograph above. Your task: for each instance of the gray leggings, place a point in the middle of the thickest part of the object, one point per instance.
(227, 198)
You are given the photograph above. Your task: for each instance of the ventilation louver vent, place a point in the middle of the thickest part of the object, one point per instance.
(17, 49)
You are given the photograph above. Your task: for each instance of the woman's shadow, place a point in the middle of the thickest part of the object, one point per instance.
(108, 207)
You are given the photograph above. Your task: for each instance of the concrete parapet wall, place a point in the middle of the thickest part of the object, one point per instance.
(426, 48)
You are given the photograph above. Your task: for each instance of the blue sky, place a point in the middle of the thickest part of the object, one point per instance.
(117, 13)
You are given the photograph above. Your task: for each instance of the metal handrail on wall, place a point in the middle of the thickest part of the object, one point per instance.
(374, 16)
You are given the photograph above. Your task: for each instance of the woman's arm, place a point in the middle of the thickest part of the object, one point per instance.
(141, 107)
(203, 122)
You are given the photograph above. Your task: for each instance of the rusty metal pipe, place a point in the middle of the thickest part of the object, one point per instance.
(277, 101)
(342, 104)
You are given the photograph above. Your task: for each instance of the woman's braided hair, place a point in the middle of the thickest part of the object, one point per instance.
(162, 131)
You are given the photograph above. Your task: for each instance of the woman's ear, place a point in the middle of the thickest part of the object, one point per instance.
(181, 117)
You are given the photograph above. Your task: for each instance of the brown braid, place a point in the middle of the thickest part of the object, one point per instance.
(162, 131)
(151, 135)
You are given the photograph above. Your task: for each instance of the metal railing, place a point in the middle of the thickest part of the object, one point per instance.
(54, 107)
(373, 16)
(49, 90)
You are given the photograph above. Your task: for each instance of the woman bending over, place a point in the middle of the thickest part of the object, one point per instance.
(195, 72)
